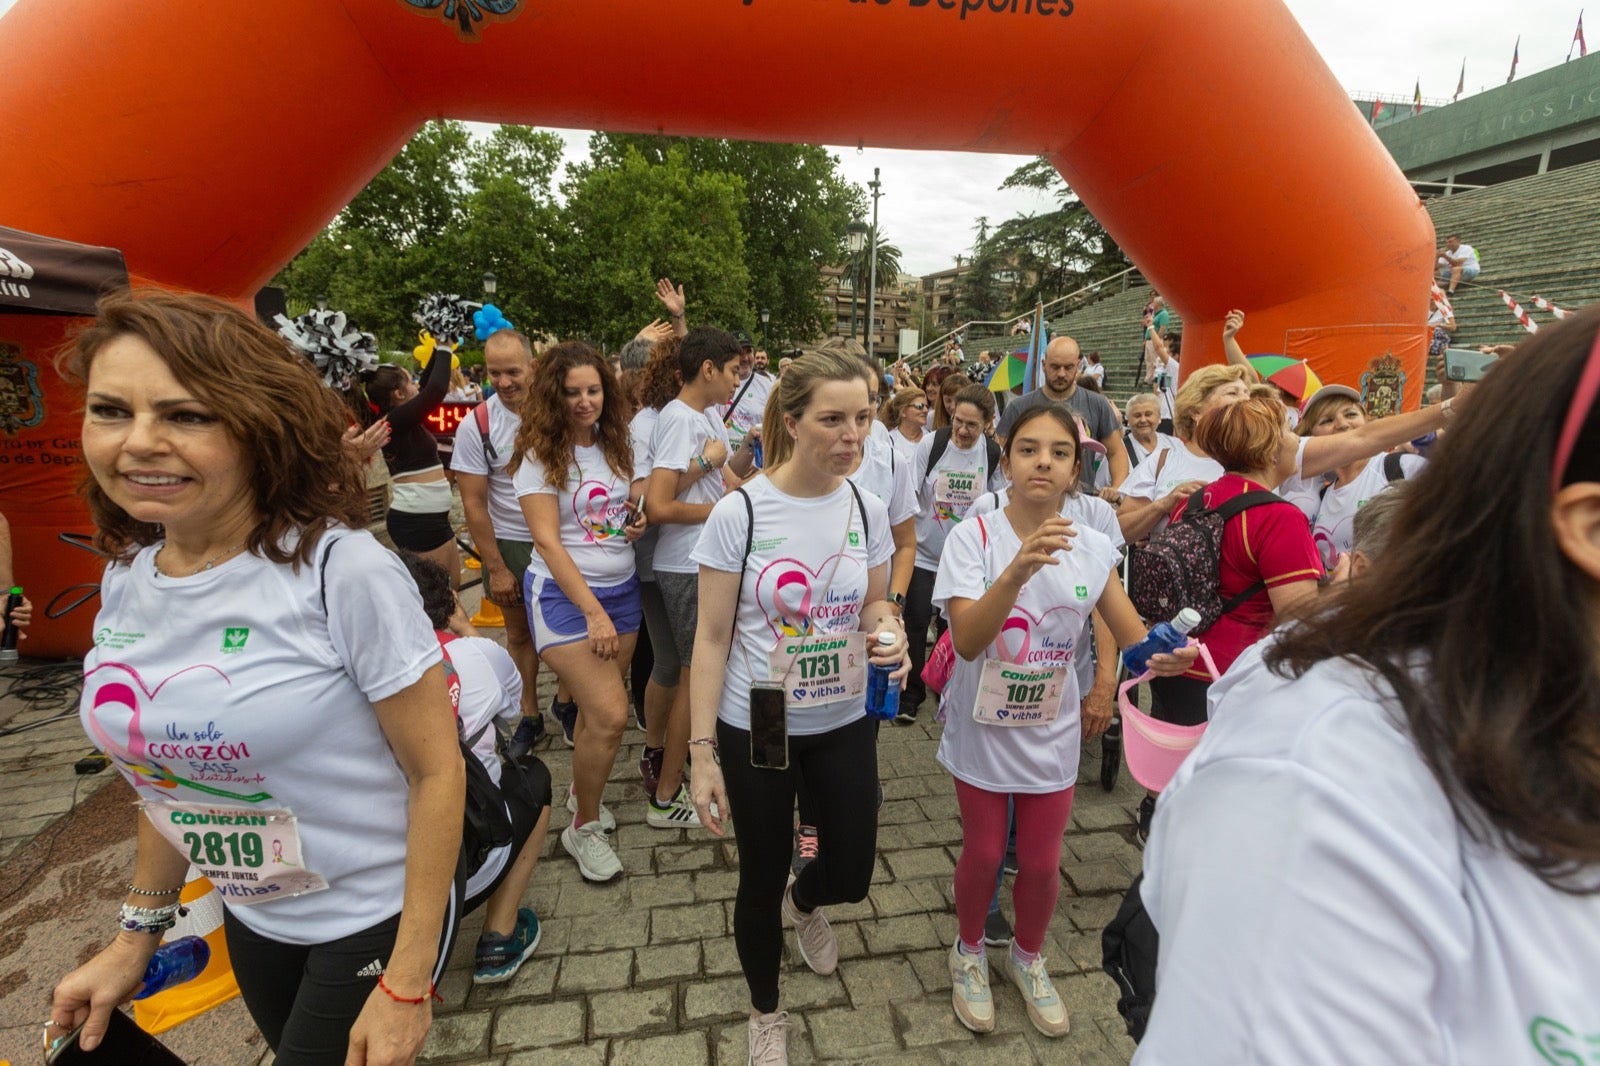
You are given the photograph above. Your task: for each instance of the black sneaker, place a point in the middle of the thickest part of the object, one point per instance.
(1111, 755)
(1147, 814)
(996, 930)
(498, 958)
(529, 732)
(907, 715)
(1009, 864)
(566, 714)
(805, 848)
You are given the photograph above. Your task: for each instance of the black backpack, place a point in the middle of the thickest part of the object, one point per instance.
(1179, 566)
(1128, 949)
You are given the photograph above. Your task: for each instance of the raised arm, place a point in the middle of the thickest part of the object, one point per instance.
(1231, 325)
(431, 389)
(673, 300)
(1339, 449)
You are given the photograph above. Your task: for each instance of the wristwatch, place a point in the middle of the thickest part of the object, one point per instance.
(899, 601)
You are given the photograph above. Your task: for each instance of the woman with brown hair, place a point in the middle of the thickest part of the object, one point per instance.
(269, 685)
(1397, 803)
(945, 407)
(573, 473)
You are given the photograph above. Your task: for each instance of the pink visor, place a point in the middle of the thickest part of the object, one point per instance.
(1155, 749)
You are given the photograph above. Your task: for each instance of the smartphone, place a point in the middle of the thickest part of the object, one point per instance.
(1464, 364)
(635, 511)
(125, 1044)
(769, 728)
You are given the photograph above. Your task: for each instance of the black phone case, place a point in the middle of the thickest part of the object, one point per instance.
(769, 728)
(125, 1044)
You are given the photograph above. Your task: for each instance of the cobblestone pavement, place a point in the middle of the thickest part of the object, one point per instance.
(642, 970)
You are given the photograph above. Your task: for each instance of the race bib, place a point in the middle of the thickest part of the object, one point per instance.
(250, 855)
(820, 669)
(953, 493)
(1010, 694)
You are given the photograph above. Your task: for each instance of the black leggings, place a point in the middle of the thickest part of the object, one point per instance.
(841, 770)
(1179, 700)
(918, 613)
(305, 997)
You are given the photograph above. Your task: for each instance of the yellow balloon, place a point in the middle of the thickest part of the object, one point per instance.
(424, 351)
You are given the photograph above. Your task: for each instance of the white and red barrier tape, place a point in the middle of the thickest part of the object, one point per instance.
(1545, 305)
(1443, 301)
(1522, 316)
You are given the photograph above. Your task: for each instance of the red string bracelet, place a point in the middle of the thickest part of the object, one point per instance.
(407, 999)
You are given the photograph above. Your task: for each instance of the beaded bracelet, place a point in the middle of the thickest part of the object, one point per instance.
(133, 890)
(705, 464)
(154, 920)
(407, 999)
(710, 742)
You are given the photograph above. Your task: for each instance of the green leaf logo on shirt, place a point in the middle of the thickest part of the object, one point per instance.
(1561, 1046)
(233, 638)
(1082, 592)
(855, 540)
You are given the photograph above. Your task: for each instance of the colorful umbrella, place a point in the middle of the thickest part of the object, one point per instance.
(1007, 374)
(1293, 376)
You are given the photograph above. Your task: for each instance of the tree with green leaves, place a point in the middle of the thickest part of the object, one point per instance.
(858, 269)
(1055, 252)
(625, 225)
(793, 211)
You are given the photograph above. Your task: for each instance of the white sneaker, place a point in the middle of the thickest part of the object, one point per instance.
(969, 990)
(769, 1039)
(678, 813)
(813, 935)
(587, 844)
(608, 821)
(1045, 1009)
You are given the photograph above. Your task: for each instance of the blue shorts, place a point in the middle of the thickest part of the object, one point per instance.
(554, 620)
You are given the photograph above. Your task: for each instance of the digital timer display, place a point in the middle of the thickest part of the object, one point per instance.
(443, 422)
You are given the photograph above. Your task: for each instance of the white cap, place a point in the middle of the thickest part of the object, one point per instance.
(1186, 620)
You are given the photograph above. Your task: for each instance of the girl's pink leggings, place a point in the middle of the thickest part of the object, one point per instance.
(1041, 821)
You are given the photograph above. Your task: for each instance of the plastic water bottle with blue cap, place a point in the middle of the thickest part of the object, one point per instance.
(1164, 639)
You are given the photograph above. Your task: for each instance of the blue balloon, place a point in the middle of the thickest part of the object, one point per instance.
(489, 321)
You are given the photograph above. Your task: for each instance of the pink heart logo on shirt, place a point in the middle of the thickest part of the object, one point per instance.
(591, 506)
(1023, 623)
(146, 760)
(784, 591)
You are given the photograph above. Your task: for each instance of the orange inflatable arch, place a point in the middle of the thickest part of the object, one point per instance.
(211, 141)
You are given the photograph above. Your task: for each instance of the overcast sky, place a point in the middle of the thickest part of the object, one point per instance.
(932, 199)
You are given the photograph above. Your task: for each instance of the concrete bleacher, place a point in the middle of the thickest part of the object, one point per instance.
(1538, 235)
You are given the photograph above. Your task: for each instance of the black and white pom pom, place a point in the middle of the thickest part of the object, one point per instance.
(446, 316)
(339, 351)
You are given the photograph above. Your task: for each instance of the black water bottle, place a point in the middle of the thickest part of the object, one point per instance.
(8, 638)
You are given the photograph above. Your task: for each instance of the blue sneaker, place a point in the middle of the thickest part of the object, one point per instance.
(528, 733)
(566, 714)
(500, 957)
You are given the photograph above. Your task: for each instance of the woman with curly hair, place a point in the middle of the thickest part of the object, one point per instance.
(271, 688)
(573, 472)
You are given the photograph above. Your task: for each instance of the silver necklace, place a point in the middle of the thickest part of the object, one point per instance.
(207, 565)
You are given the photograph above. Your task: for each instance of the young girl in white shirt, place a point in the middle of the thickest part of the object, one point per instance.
(1018, 587)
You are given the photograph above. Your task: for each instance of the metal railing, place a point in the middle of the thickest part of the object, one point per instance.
(935, 348)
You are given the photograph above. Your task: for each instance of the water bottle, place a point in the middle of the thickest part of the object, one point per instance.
(755, 451)
(8, 638)
(1164, 638)
(883, 692)
(175, 962)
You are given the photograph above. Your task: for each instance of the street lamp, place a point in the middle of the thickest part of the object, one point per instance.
(872, 259)
(322, 301)
(490, 283)
(855, 240)
(766, 316)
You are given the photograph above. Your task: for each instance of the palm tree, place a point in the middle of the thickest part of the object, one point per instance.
(857, 268)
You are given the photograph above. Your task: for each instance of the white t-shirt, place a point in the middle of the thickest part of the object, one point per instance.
(1044, 628)
(1180, 465)
(593, 507)
(505, 514)
(1300, 490)
(748, 405)
(236, 687)
(641, 434)
(1319, 903)
(887, 476)
(1165, 385)
(939, 506)
(903, 447)
(681, 434)
(1137, 454)
(1095, 372)
(491, 690)
(1083, 509)
(1333, 528)
(795, 549)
